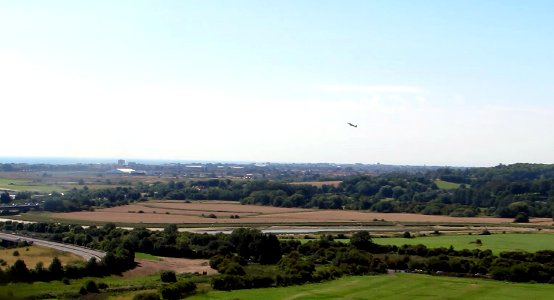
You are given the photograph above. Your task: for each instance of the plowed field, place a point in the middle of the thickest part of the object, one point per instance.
(225, 212)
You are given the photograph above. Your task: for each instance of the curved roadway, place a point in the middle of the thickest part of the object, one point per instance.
(86, 253)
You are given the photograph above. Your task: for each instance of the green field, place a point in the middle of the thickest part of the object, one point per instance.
(29, 185)
(140, 255)
(446, 185)
(396, 286)
(530, 242)
(57, 289)
(26, 185)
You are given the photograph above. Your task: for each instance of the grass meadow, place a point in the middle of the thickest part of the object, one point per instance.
(530, 242)
(446, 185)
(390, 286)
(57, 289)
(48, 185)
(140, 255)
(26, 185)
(396, 286)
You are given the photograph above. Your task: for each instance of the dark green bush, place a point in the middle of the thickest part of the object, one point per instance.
(168, 276)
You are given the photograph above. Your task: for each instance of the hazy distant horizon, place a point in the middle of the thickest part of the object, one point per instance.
(153, 161)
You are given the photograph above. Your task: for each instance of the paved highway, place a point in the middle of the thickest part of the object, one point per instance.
(19, 206)
(86, 253)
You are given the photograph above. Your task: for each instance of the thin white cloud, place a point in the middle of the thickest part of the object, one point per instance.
(374, 89)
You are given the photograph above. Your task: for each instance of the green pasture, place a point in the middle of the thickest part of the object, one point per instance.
(530, 242)
(395, 286)
(44, 187)
(140, 255)
(498, 242)
(57, 289)
(446, 185)
(30, 186)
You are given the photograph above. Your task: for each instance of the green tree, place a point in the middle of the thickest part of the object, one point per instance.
(521, 217)
(19, 271)
(91, 287)
(177, 290)
(242, 239)
(5, 198)
(55, 268)
(231, 268)
(168, 276)
(361, 240)
(147, 296)
(267, 249)
(40, 273)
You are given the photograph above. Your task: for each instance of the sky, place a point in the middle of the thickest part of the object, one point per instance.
(448, 83)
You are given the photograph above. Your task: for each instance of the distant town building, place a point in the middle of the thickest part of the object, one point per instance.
(121, 162)
(127, 171)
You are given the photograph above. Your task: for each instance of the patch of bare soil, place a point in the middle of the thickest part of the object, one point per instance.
(179, 265)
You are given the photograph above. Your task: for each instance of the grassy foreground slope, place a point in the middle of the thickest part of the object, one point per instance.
(396, 286)
(530, 242)
(59, 290)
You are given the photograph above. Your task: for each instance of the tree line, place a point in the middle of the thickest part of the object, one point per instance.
(516, 191)
(292, 262)
(119, 255)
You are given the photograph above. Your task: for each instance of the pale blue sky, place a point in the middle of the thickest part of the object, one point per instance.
(428, 82)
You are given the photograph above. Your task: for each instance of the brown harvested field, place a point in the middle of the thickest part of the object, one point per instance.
(358, 216)
(155, 209)
(179, 265)
(197, 212)
(222, 206)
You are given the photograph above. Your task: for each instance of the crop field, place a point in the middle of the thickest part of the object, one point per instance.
(225, 212)
(34, 254)
(395, 286)
(530, 242)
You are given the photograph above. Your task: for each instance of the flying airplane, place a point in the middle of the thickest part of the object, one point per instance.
(352, 125)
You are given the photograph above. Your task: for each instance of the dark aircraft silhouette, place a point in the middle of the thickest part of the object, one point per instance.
(356, 126)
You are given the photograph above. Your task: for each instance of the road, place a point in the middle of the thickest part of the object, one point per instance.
(19, 206)
(86, 253)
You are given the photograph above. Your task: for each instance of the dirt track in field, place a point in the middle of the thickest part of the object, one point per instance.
(199, 212)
